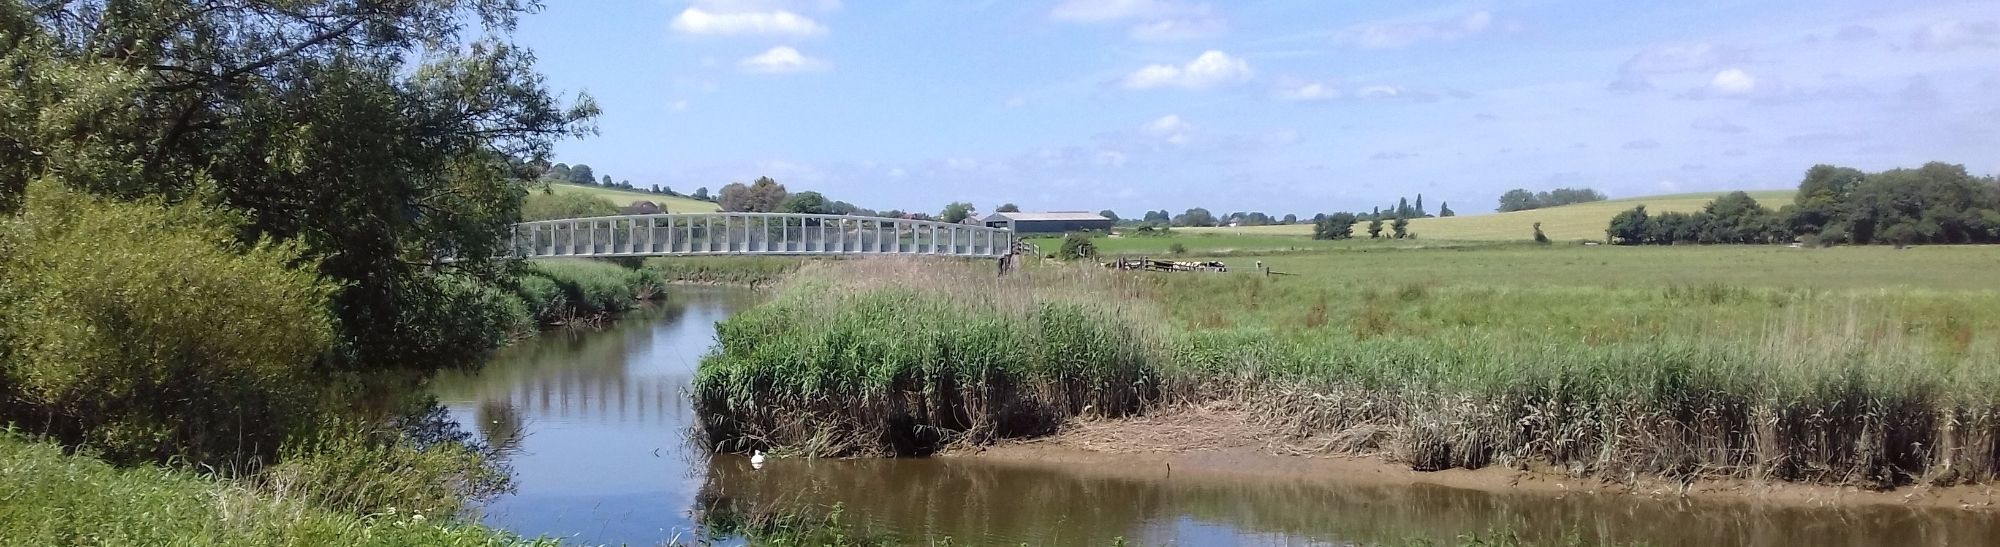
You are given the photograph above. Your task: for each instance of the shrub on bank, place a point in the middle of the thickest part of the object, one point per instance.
(557, 292)
(140, 331)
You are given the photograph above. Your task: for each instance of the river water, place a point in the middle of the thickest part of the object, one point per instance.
(594, 424)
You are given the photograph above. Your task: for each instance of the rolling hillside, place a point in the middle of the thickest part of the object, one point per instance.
(1568, 222)
(626, 197)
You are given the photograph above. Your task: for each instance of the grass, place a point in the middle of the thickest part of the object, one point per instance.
(898, 357)
(621, 197)
(725, 270)
(57, 499)
(1583, 221)
(1602, 376)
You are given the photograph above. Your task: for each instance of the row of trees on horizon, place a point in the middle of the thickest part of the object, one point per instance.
(1935, 203)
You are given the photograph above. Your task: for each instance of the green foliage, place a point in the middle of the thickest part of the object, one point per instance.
(54, 498)
(760, 196)
(349, 469)
(1177, 249)
(563, 291)
(1520, 199)
(1012, 208)
(1629, 227)
(145, 332)
(1733, 218)
(372, 134)
(806, 203)
(1335, 226)
(885, 358)
(1375, 227)
(1444, 210)
(1401, 227)
(553, 206)
(955, 212)
(1107, 213)
(735, 270)
(1076, 246)
(1195, 217)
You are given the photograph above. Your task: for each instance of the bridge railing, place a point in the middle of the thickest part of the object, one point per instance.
(670, 234)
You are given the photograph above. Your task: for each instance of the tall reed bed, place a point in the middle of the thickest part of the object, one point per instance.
(1856, 387)
(901, 357)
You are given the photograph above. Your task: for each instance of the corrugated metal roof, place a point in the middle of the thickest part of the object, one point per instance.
(1055, 215)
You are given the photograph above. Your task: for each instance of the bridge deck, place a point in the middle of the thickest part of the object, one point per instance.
(678, 234)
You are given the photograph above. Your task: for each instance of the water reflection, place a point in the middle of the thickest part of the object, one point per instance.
(594, 422)
(998, 503)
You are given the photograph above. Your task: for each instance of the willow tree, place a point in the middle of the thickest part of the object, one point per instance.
(382, 135)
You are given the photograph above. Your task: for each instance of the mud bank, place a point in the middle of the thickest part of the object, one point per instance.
(1197, 443)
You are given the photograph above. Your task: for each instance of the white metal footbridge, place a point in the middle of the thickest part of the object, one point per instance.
(693, 234)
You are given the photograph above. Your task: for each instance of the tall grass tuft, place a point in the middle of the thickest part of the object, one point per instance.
(902, 357)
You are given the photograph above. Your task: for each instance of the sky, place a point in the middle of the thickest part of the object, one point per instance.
(1274, 106)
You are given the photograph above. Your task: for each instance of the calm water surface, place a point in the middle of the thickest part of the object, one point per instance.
(594, 424)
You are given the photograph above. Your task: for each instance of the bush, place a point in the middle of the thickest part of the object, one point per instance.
(547, 206)
(140, 330)
(354, 469)
(1076, 246)
(1177, 249)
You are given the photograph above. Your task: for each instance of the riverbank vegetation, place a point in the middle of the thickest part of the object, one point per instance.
(233, 234)
(53, 498)
(726, 270)
(1673, 379)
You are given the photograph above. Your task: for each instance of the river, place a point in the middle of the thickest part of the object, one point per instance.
(594, 424)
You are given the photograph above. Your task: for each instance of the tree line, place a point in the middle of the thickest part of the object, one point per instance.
(583, 175)
(1935, 203)
(1520, 199)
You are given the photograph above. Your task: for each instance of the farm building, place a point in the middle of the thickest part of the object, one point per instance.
(1047, 223)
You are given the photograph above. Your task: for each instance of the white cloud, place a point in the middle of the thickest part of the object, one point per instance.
(1733, 82)
(1210, 69)
(1168, 30)
(1097, 11)
(1636, 73)
(782, 60)
(1389, 35)
(678, 106)
(1171, 128)
(1154, 20)
(1950, 35)
(698, 21)
(1312, 91)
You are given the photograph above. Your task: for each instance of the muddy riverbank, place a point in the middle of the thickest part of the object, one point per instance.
(1219, 441)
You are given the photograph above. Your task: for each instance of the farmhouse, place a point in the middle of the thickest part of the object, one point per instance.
(1047, 223)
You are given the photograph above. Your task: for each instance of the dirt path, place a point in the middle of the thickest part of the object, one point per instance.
(1228, 443)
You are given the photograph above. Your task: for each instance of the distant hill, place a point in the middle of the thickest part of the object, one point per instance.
(1565, 223)
(623, 197)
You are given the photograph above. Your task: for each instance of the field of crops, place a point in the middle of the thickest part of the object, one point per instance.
(1583, 221)
(623, 198)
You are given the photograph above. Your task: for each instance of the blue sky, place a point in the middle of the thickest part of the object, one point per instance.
(1282, 107)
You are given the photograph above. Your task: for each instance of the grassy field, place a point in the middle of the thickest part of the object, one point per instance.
(1583, 221)
(1852, 366)
(623, 198)
(1937, 268)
